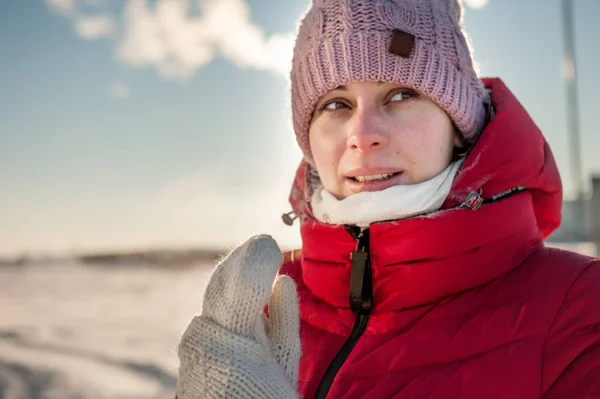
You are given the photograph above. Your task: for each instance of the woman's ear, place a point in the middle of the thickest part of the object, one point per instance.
(461, 146)
(459, 141)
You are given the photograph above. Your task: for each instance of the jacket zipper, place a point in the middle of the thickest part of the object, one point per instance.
(361, 299)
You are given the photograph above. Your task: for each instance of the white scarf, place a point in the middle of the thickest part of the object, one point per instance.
(396, 202)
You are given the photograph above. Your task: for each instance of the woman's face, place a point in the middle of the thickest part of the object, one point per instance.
(369, 136)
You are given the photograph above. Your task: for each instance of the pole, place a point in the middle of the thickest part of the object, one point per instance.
(570, 76)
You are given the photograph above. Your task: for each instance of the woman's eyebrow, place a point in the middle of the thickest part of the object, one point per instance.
(344, 88)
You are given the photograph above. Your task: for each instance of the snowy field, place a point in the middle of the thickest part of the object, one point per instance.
(92, 332)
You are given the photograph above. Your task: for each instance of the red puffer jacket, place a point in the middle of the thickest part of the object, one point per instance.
(462, 303)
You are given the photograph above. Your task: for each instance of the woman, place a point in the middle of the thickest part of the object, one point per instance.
(423, 199)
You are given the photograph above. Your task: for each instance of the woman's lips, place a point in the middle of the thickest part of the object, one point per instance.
(373, 185)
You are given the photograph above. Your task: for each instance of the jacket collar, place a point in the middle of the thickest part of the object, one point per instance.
(421, 260)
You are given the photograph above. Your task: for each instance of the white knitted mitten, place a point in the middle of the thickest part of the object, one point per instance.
(232, 350)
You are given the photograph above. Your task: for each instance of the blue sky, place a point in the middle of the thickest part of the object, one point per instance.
(135, 123)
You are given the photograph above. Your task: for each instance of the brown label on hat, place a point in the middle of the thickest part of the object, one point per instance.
(402, 43)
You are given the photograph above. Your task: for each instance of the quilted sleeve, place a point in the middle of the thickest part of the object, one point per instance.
(571, 362)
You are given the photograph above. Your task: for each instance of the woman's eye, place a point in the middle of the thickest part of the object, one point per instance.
(334, 105)
(403, 95)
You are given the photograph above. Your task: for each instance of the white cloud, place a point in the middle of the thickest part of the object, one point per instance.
(94, 27)
(118, 90)
(244, 43)
(86, 26)
(476, 3)
(64, 7)
(165, 38)
(166, 35)
(177, 43)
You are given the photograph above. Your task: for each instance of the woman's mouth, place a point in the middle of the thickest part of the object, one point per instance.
(375, 182)
(384, 176)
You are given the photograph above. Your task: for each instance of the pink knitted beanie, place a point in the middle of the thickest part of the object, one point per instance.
(415, 43)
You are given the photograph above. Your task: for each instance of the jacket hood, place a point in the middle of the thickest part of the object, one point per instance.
(511, 154)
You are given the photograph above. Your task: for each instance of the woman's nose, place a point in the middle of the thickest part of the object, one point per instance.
(367, 132)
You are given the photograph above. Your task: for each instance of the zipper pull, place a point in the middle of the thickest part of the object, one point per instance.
(361, 281)
(357, 300)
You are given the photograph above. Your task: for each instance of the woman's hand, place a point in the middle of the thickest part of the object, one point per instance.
(232, 350)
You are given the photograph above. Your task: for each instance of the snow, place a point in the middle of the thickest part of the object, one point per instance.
(79, 331)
